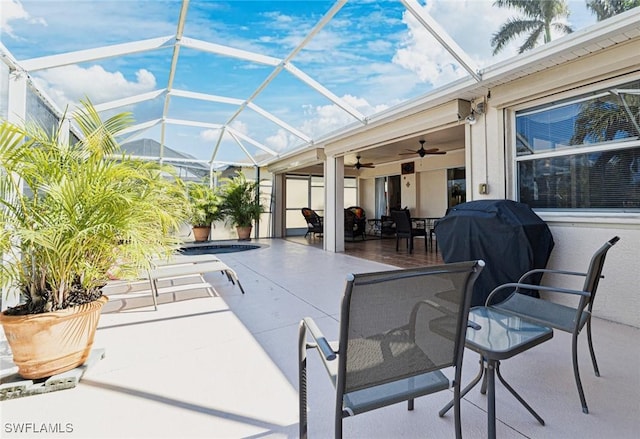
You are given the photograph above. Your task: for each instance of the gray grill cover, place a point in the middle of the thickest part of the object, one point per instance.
(507, 235)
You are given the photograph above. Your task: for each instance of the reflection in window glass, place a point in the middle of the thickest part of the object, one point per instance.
(611, 115)
(456, 186)
(554, 170)
(601, 180)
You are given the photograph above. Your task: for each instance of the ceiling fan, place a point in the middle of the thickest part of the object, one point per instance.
(422, 152)
(359, 165)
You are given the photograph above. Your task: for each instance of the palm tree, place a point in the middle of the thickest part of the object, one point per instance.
(539, 17)
(608, 8)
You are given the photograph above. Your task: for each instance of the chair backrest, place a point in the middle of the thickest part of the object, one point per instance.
(594, 273)
(311, 216)
(358, 212)
(403, 323)
(349, 222)
(354, 221)
(402, 218)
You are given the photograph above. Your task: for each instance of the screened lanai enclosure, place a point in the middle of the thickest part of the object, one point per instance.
(307, 89)
(217, 84)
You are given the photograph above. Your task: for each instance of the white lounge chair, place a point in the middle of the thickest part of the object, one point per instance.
(181, 266)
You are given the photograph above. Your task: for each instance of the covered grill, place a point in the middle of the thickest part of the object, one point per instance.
(507, 235)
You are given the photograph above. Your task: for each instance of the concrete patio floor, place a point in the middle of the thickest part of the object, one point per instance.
(226, 367)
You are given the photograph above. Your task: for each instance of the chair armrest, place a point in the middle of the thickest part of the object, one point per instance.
(551, 271)
(518, 285)
(319, 339)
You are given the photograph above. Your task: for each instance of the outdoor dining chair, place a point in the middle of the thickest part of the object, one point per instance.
(315, 223)
(399, 330)
(405, 229)
(565, 318)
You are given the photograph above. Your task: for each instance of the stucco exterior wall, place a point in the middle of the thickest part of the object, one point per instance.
(489, 152)
(618, 296)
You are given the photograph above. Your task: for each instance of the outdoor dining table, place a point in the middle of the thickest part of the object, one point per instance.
(497, 336)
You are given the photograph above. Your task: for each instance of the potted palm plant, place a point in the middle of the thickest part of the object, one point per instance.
(204, 209)
(241, 203)
(69, 213)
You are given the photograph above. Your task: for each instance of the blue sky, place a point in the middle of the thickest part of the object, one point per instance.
(372, 54)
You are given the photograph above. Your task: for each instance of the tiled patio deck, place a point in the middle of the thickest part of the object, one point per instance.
(226, 367)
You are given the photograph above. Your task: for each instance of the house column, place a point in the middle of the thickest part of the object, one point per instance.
(334, 204)
(278, 212)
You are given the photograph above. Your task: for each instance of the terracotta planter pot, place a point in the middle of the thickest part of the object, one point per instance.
(201, 233)
(51, 343)
(244, 233)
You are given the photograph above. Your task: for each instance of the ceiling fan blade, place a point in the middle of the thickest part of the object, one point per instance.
(433, 151)
(359, 165)
(408, 153)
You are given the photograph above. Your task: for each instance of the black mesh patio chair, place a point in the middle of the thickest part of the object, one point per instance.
(355, 222)
(387, 226)
(399, 330)
(405, 229)
(566, 318)
(314, 221)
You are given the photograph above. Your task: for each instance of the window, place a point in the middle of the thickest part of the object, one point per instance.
(456, 186)
(581, 154)
(350, 192)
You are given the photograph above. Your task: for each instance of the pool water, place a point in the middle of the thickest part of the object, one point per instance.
(217, 248)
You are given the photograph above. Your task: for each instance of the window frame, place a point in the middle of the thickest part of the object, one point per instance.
(567, 97)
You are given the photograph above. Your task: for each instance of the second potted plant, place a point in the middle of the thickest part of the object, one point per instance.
(241, 204)
(204, 203)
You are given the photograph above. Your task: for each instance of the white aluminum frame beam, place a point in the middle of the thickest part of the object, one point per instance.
(205, 97)
(442, 37)
(252, 141)
(81, 56)
(325, 92)
(233, 135)
(142, 97)
(285, 63)
(279, 122)
(193, 123)
(140, 126)
(219, 49)
(235, 101)
(172, 70)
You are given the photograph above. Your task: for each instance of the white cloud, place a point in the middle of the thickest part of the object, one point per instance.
(240, 127)
(472, 24)
(279, 141)
(325, 118)
(67, 85)
(209, 135)
(471, 30)
(12, 10)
